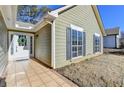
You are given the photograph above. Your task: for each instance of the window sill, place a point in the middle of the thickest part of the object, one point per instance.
(77, 57)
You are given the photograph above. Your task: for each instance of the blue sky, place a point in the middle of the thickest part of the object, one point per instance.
(24, 15)
(112, 15)
(53, 7)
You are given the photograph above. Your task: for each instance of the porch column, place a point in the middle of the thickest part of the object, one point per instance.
(53, 44)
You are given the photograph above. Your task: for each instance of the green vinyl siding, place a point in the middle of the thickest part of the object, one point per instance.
(3, 46)
(43, 45)
(82, 16)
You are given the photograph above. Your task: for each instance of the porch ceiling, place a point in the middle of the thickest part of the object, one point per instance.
(9, 13)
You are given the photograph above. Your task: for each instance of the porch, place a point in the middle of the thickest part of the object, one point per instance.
(31, 73)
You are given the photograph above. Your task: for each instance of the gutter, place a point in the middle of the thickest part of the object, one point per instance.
(98, 18)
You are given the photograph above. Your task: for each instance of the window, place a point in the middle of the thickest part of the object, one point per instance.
(12, 50)
(97, 43)
(30, 44)
(75, 45)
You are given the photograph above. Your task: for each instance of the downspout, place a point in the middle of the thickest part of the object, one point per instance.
(52, 43)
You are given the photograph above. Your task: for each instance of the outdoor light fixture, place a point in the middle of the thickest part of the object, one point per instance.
(29, 27)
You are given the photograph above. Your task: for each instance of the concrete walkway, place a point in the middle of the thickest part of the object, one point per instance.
(30, 73)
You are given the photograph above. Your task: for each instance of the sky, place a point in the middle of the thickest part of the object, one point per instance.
(112, 16)
(24, 15)
(53, 7)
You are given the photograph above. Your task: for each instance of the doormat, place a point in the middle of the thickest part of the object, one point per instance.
(2, 82)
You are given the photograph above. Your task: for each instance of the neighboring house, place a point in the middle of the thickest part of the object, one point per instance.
(64, 36)
(122, 40)
(112, 38)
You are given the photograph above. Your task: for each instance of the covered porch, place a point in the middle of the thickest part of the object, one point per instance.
(32, 73)
(30, 49)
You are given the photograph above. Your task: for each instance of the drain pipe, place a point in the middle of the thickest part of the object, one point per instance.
(52, 43)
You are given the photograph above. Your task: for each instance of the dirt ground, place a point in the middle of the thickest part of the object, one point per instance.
(114, 51)
(106, 70)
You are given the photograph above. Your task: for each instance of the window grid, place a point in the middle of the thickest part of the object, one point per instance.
(97, 43)
(76, 44)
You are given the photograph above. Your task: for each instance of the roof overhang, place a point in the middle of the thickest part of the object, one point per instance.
(95, 10)
(98, 18)
(9, 13)
(112, 31)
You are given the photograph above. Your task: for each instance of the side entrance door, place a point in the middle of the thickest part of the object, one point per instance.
(20, 46)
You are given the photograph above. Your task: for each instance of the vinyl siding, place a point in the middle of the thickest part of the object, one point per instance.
(82, 16)
(3, 46)
(43, 45)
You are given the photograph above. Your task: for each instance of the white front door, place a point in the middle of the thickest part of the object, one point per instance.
(20, 46)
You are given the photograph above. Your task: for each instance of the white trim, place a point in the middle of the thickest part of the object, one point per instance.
(22, 33)
(77, 57)
(96, 34)
(76, 27)
(62, 8)
(53, 44)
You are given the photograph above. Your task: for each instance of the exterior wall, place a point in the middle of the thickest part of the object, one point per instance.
(82, 16)
(118, 41)
(109, 41)
(43, 45)
(3, 46)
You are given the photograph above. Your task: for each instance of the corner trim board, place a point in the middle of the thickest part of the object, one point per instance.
(53, 45)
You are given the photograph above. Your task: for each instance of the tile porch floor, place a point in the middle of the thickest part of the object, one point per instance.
(30, 73)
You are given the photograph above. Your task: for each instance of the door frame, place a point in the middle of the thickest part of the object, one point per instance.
(21, 33)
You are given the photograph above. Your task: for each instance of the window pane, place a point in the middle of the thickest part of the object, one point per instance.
(74, 54)
(30, 44)
(74, 37)
(97, 43)
(74, 51)
(79, 38)
(79, 50)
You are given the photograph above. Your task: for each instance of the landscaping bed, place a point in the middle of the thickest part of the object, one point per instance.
(106, 70)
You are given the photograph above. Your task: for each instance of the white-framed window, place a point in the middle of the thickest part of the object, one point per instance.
(97, 42)
(75, 42)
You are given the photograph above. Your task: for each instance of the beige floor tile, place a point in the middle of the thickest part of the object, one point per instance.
(52, 84)
(23, 83)
(10, 78)
(20, 76)
(65, 85)
(37, 84)
(60, 81)
(30, 73)
(11, 70)
(46, 79)
(34, 79)
(11, 84)
(43, 75)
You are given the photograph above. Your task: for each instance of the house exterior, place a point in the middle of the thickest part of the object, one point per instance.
(122, 40)
(112, 38)
(3, 47)
(66, 35)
